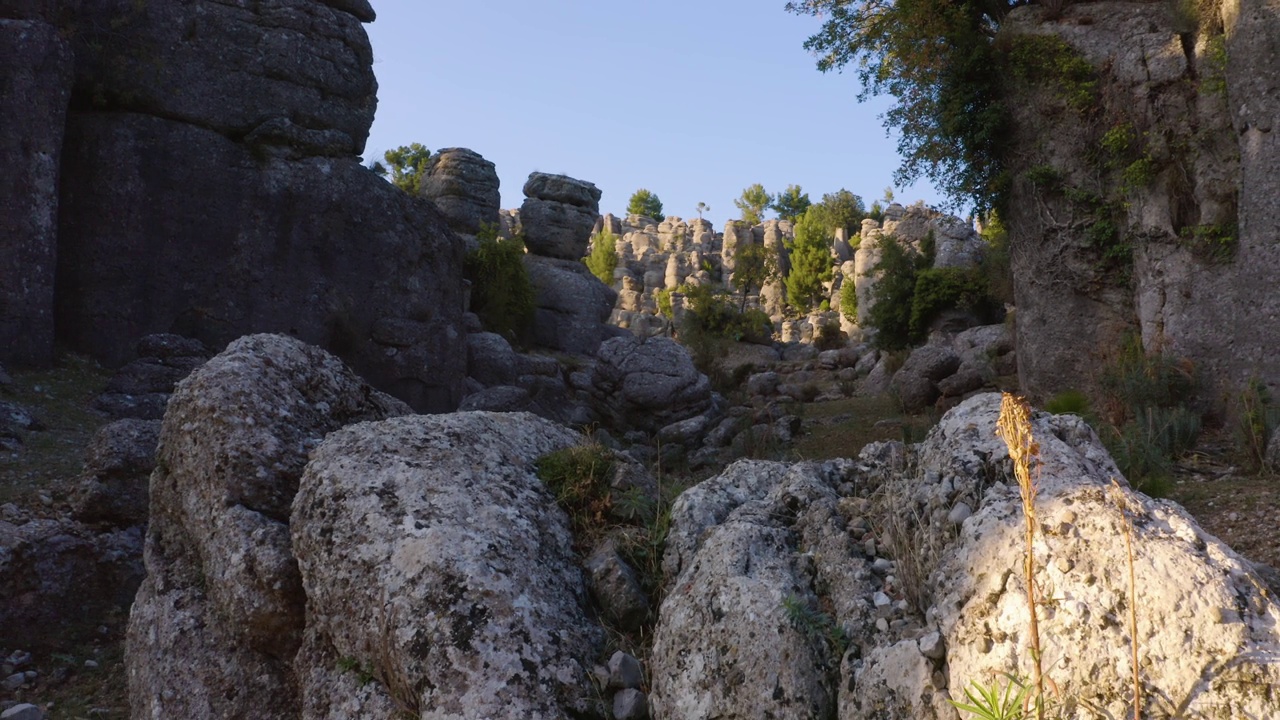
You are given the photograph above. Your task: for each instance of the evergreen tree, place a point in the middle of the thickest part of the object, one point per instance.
(810, 263)
(603, 259)
(791, 203)
(647, 204)
(753, 267)
(407, 166)
(753, 203)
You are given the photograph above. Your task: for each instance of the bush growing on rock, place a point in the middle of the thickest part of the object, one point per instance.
(754, 201)
(406, 165)
(501, 293)
(603, 259)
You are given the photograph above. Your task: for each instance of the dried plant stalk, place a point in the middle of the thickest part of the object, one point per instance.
(1133, 598)
(1014, 427)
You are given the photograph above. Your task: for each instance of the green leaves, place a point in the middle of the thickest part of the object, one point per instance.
(753, 203)
(407, 166)
(647, 204)
(988, 703)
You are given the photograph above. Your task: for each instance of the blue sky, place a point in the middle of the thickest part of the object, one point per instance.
(691, 100)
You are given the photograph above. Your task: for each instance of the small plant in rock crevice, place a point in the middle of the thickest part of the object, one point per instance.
(816, 625)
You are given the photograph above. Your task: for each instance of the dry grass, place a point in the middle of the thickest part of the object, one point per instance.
(61, 399)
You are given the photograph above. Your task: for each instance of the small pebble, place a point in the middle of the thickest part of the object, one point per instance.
(882, 625)
(630, 704)
(91, 663)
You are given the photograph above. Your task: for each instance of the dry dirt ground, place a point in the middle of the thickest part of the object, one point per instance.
(1241, 508)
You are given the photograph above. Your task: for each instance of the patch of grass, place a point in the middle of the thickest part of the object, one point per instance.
(579, 479)
(61, 398)
(1257, 418)
(818, 626)
(1068, 402)
(840, 428)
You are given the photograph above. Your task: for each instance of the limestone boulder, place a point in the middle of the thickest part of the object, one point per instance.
(117, 472)
(464, 186)
(556, 230)
(558, 215)
(1204, 617)
(300, 73)
(223, 590)
(571, 305)
(414, 539)
(491, 360)
(35, 89)
(764, 563)
(647, 384)
(916, 382)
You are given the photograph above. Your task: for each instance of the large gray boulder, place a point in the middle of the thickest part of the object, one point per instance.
(647, 384)
(1204, 617)
(916, 382)
(321, 249)
(117, 470)
(768, 581)
(297, 76)
(558, 214)
(571, 305)
(223, 591)
(433, 558)
(35, 87)
(464, 186)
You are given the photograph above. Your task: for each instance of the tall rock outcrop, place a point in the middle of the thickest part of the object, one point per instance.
(35, 88)
(464, 187)
(210, 186)
(1144, 194)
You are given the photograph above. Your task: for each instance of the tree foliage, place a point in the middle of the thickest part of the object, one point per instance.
(810, 263)
(841, 209)
(406, 165)
(938, 59)
(501, 293)
(603, 259)
(754, 266)
(647, 204)
(753, 203)
(791, 203)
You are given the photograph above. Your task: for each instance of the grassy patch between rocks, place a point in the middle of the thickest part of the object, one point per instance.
(61, 399)
(840, 428)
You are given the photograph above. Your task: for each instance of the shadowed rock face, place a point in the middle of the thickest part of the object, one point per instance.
(212, 189)
(35, 87)
(225, 244)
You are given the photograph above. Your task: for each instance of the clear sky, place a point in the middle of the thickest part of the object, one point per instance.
(693, 100)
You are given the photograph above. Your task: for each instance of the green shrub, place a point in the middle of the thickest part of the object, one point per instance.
(662, 296)
(996, 261)
(1257, 418)
(1039, 58)
(603, 259)
(1214, 244)
(579, 478)
(849, 300)
(1068, 402)
(893, 293)
(501, 293)
(829, 336)
(940, 289)
(1150, 421)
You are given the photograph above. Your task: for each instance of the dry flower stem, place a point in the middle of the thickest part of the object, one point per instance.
(1014, 427)
(1133, 599)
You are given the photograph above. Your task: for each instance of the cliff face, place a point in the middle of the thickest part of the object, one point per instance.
(1144, 196)
(192, 165)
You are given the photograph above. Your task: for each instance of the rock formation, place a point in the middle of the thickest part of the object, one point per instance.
(299, 572)
(784, 600)
(215, 190)
(1171, 232)
(572, 305)
(464, 187)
